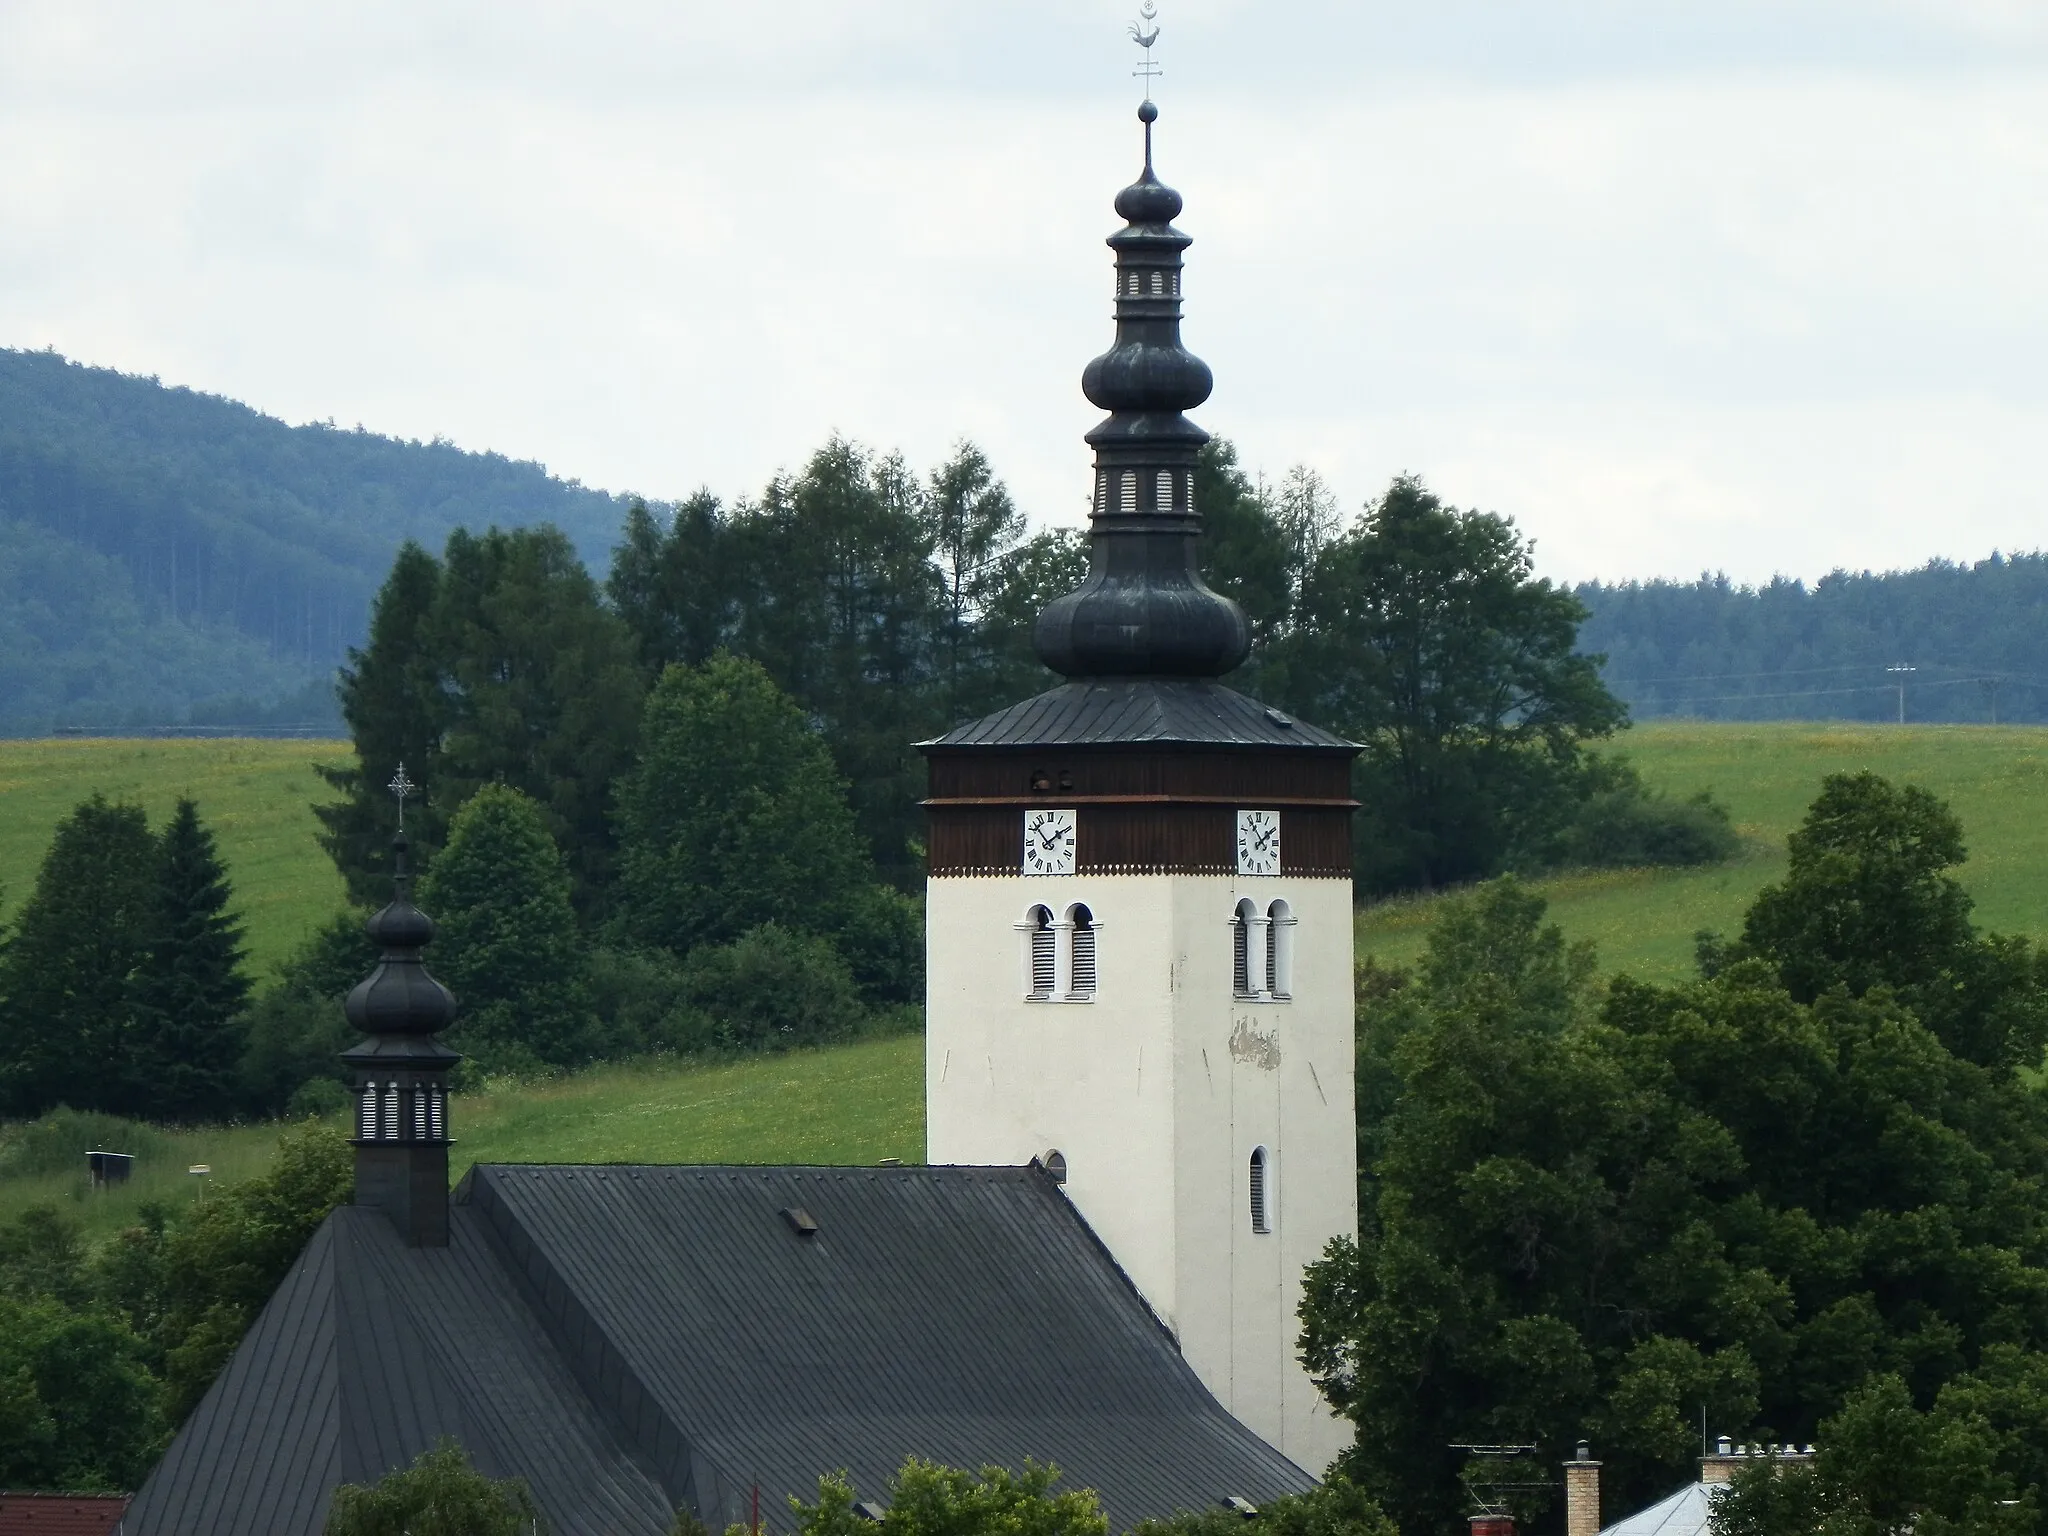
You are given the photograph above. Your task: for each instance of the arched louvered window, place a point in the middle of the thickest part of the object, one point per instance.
(1081, 934)
(366, 1113)
(1162, 491)
(389, 1130)
(1261, 1190)
(437, 1114)
(1129, 491)
(1280, 950)
(1242, 971)
(1039, 952)
(1101, 492)
(1175, 281)
(422, 1114)
(1158, 283)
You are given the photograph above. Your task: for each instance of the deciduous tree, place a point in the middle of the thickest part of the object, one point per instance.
(506, 940)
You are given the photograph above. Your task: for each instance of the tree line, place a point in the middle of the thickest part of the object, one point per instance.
(1974, 635)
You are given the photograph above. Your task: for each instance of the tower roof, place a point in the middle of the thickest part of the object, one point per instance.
(399, 1006)
(1144, 610)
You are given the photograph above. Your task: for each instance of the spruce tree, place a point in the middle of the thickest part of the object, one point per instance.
(187, 995)
(64, 1033)
(506, 940)
(397, 711)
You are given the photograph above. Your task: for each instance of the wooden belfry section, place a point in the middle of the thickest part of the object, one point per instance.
(1149, 751)
(1155, 770)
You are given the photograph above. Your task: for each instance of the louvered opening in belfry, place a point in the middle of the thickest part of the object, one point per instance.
(1162, 491)
(1241, 969)
(1043, 956)
(1129, 491)
(1082, 932)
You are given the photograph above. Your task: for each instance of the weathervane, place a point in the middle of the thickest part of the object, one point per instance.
(400, 786)
(1147, 70)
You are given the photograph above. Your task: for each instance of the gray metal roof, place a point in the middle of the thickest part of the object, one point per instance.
(1688, 1512)
(633, 1339)
(1140, 711)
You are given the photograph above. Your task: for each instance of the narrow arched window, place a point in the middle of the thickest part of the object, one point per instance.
(1162, 491)
(1280, 949)
(1261, 1190)
(1158, 282)
(421, 1097)
(1039, 952)
(1241, 970)
(437, 1124)
(366, 1113)
(1101, 493)
(389, 1131)
(1130, 490)
(1081, 934)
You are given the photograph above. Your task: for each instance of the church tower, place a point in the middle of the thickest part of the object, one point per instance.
(1139, 912)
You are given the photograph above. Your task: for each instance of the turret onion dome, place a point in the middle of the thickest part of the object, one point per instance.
(400, 998)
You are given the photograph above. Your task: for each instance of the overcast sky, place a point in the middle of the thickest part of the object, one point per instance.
(1754, 285)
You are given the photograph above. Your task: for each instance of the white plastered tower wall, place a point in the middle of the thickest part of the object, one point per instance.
(1156, 1092)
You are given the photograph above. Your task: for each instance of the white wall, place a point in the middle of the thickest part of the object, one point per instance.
(1156, 1092)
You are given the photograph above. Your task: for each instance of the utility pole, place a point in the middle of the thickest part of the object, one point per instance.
(1902, 671)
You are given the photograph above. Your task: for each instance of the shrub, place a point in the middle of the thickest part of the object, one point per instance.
(440, 1494)
(771, 988)
(1621, 823)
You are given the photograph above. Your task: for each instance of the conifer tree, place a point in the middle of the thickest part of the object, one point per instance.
(188, 993)
(79, 937)
(506, 939)
(397, 711)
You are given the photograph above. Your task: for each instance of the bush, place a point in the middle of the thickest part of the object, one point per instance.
(1621, 823)
(927, 1499)
(769, 989)
(440, 1494)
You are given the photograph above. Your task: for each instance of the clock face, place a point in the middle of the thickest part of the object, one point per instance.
(1258, 842)
(1048, 842)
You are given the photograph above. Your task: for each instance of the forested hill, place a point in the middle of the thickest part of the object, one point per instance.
(167, 555)
(1976, 637)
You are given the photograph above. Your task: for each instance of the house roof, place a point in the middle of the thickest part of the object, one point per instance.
(636, 1339)
(60, 1514)
(1140, 712)
(1684, 1513)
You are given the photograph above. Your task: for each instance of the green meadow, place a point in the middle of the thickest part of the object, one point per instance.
(258, 797)
(1995, 777)
(848, 1104)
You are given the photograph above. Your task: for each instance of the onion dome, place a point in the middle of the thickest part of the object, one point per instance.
(400, 998)
(1144, 610)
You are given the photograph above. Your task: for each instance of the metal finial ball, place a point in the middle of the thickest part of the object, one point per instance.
(1147, 113)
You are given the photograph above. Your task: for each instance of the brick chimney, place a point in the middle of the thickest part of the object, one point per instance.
(1582, 1494)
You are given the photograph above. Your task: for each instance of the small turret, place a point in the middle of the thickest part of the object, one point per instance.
(401, 1071)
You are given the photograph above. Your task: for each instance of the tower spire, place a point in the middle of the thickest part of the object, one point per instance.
(401, 1069)
(1144, 610)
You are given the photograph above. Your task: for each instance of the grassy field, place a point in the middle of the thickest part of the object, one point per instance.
(849, 1104)
(256, 795)
(1995, 777)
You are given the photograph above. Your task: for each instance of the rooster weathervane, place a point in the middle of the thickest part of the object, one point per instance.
(1148, 17)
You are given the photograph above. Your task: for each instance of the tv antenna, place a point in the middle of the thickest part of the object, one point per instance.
(1148, 69)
